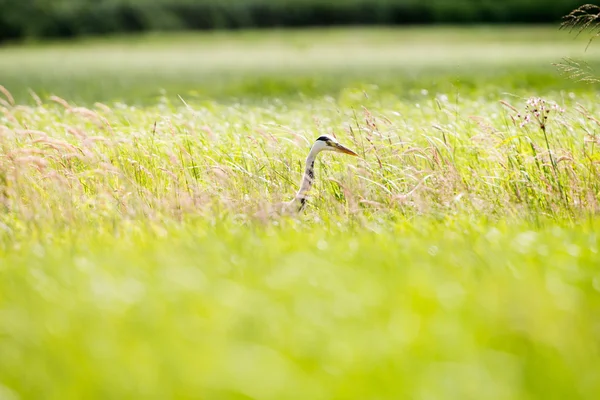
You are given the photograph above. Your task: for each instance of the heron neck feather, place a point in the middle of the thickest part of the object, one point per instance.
(308, 178)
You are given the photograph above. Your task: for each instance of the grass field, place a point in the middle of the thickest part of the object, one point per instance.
(249, 66)
(455, 258)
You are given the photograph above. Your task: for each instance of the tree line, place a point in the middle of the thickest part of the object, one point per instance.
(21, 19)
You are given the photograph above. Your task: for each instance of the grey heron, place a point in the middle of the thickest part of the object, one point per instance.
(323, 143)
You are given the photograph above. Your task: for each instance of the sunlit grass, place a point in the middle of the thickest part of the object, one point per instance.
(428, 309)
(455, 258)
(129, 239)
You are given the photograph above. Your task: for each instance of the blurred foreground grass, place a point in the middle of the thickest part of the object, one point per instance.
(426, 309)
(455, 258)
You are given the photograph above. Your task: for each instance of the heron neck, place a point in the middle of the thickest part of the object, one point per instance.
(307, 179)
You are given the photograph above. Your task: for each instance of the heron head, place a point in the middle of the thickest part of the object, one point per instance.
(329, 143)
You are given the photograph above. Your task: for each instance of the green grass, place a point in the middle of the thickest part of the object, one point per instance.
(251, 65)
(456, 258)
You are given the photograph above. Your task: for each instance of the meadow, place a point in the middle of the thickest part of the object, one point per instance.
(455, 258)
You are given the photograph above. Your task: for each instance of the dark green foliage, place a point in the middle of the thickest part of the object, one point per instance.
(66, 18)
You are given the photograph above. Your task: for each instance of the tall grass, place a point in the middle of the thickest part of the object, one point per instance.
(133, 264)
(72, 164)
(455, 258)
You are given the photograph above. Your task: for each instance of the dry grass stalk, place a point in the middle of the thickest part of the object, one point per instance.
(8, 95)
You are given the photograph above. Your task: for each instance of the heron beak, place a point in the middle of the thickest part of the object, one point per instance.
(342, 149)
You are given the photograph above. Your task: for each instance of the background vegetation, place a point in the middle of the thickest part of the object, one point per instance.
(68, 18)
(456, 258)
(297, 65)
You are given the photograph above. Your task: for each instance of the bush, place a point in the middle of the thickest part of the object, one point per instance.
(64, 18)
